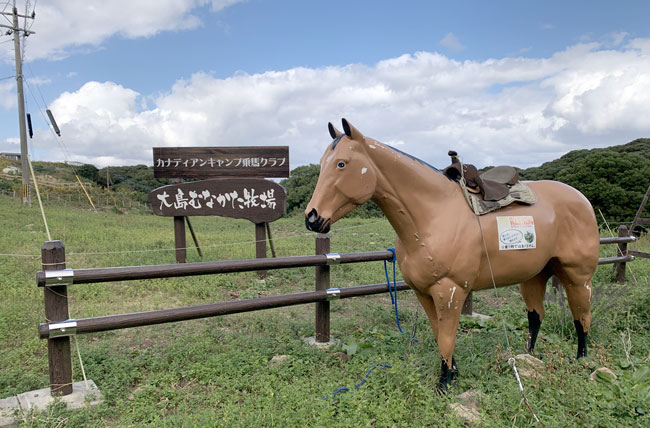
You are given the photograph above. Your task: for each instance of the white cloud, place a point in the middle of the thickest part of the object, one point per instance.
(451, 42)
(616, 38)
(8, 98)
(521, 111)
(66, 26)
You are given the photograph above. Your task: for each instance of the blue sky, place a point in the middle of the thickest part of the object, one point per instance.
(520, 82)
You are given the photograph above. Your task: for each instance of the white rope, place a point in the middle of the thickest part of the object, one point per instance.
(511, 361)
(81, 363)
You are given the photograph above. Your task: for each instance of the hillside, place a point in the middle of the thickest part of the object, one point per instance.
(614, 179)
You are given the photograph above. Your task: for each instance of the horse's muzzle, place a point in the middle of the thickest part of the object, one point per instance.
(316, 223)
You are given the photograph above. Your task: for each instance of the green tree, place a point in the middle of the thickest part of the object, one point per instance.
(300, 185)
(613, 181)
(88, 171)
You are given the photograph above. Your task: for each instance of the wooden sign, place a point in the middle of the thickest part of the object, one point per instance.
(254, 199)
(206, 162)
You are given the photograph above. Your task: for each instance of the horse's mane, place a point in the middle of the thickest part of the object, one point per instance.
(337, 139)
(414, 158)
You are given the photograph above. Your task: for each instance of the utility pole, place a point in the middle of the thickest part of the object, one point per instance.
(15, 29)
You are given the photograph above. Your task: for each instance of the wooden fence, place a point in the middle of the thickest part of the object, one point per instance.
(55, 278)
(99, 201)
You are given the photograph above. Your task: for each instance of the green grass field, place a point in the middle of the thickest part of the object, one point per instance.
(216, 372)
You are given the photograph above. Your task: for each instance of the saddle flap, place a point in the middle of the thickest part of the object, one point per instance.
(493, 191)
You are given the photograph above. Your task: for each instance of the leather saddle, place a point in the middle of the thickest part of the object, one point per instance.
(493, 185)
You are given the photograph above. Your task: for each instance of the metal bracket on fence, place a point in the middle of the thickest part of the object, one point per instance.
(62, 329)
(59, 277)
(333, 258)
(333, 293)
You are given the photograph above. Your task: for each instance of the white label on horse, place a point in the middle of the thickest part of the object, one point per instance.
(516, 232)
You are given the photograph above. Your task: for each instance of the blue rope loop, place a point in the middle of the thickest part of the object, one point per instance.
(392, 290)
(360, 384)
(394, 258)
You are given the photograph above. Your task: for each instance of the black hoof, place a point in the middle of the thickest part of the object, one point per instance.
(447, 375)
(534, 323)
(582, 339)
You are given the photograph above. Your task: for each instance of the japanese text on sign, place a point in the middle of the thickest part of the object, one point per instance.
(211, 162)
(255, 199)
(194, 199)
(220, 162)
(516, 233)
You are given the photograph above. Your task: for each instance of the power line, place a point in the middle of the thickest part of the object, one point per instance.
(38, 87)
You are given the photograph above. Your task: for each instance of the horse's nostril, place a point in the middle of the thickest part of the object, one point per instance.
(312, 216)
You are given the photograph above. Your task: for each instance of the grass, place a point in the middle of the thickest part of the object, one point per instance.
(216, 372)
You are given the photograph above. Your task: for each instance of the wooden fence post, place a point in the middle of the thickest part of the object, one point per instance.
(467, 306)
(622, 251)
(260, 245)
(56, 309)
(322, 283)
(179, 239)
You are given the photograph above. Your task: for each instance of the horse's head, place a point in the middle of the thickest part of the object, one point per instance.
(348, 178)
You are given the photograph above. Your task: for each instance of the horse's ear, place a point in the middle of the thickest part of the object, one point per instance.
(351, 131)
(333, 131)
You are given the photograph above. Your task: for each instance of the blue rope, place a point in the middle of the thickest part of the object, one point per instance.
(392, 290)
(360, 384)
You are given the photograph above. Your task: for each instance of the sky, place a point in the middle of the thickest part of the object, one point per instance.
(500, 82)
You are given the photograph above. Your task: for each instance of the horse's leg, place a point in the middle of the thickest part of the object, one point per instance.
(533, 292)
(446, 373)
(430, 309)
(448, 298)
(577, 286)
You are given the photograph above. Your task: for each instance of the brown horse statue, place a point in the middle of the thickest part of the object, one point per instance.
(444, 250)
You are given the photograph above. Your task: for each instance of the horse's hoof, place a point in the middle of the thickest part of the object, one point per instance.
(447, 376)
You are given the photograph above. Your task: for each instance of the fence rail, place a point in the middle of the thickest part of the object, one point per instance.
(138, 319)
(129, 273)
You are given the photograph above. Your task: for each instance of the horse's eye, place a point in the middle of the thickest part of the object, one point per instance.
(340, 164)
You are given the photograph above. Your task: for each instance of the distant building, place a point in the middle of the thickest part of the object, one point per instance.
(10, 156)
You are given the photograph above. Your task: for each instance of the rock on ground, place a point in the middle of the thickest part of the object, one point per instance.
(467, 407)
(529, 366)
(594, 374)
(278, 359)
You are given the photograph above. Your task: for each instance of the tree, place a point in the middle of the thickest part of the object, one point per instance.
(300, 185)
(613, 181)
(88, 171)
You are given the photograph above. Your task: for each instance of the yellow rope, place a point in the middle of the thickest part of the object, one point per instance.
(38, 194)
(87, 195)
